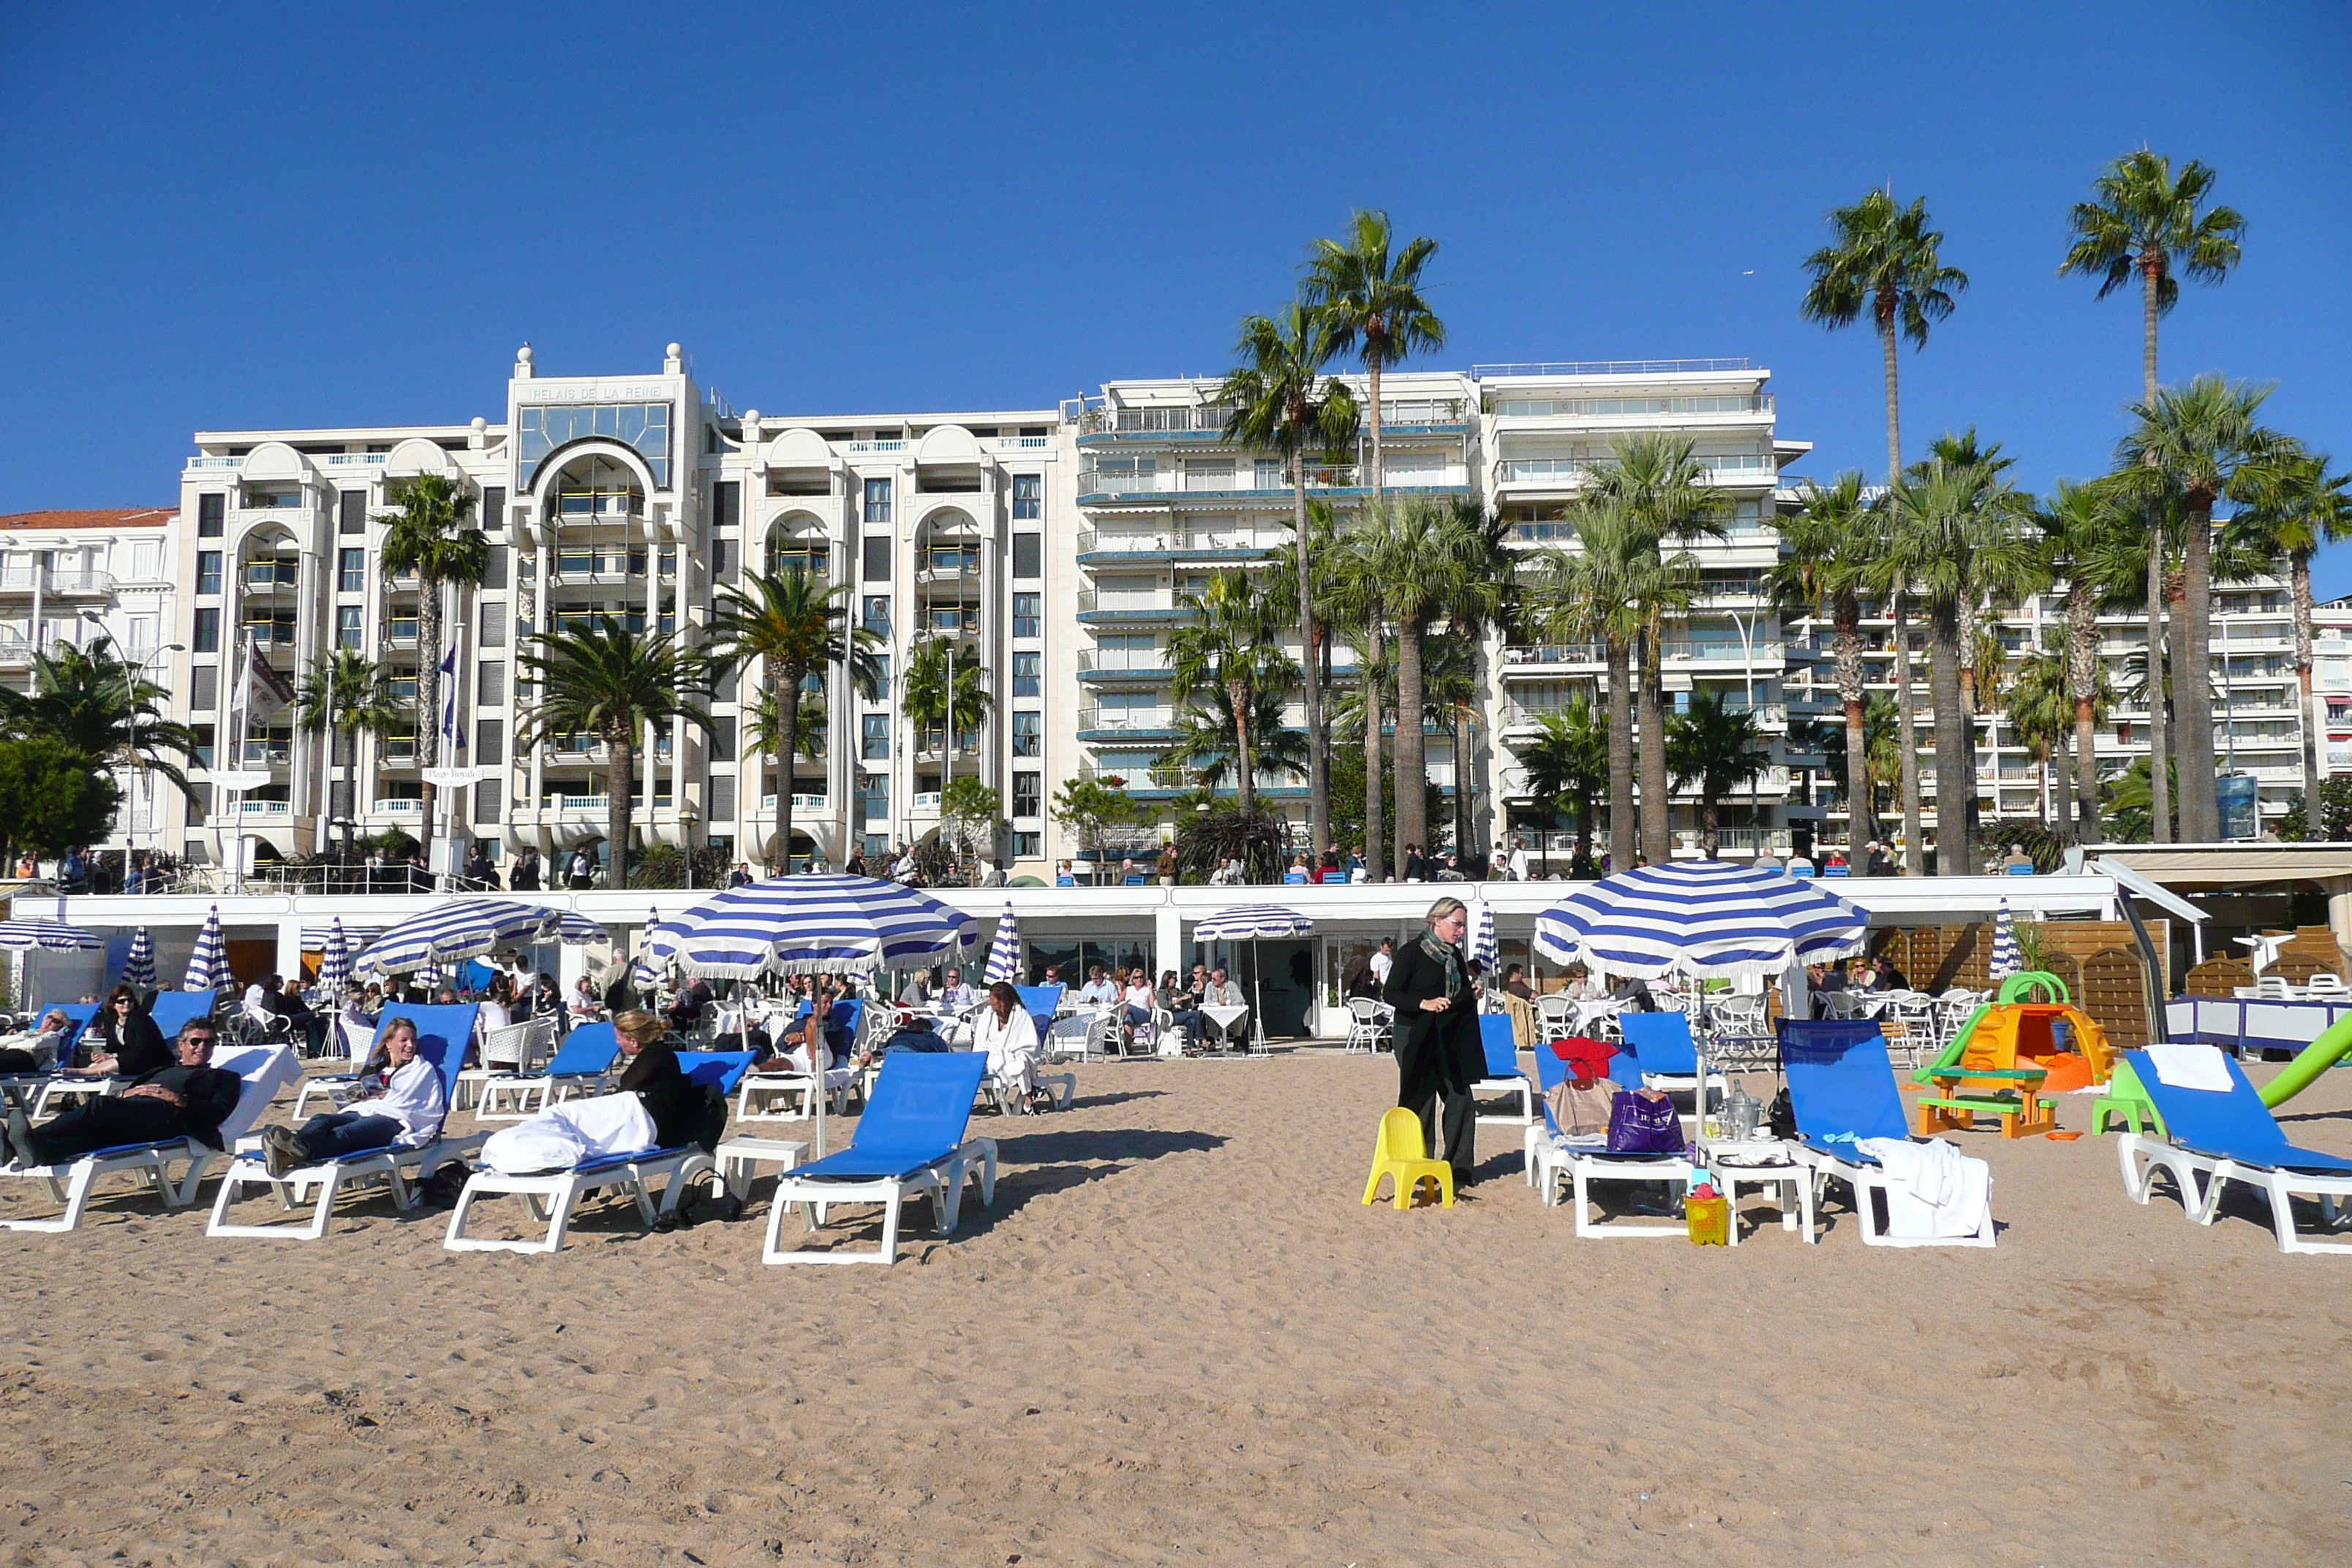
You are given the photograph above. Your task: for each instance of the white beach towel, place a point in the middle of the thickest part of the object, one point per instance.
(570, 1134)
(2190, 1066)
(1933, 1191)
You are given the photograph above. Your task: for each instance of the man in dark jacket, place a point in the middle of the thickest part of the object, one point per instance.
(189, 1098)
(523, 875)
(1437, 1046)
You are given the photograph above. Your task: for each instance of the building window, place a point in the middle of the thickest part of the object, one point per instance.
(1028, 735)
(1026, 682)
(1025, 614)
(877, 502)
(874, 747)
(207, 628)
(210, 512)
(351, 512)
(347, 626)
(877, 614)
(208, 571)
(1028, 496)
(494, 624)
(490, 685)
(489, 742)
(494, 567)
(725, 505)
(494, 508)
(876, 568)
(202, 752)
(351, 571)
(1028, 556)
(1028, 793)
(877, 689)
(488, 797)
(1028, 845)
(874, 794)
(722, 741)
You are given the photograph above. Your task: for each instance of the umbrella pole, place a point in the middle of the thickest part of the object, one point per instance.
(1257, 995)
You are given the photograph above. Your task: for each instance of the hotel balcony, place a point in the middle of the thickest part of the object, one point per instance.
(1572, 412)
(1176, 488)
(1100, 607)
(1096, 669)
(800, 803)
(1198, 422)
(18, 579)
(1098, 547)
(1100, 723)
(399, 810)
(1568, 473)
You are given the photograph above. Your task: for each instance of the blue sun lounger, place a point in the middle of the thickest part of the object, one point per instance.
(442, 1035)
(1504, 1075)
(552, 1196)
(1842, 1088)
(911, 1139)
(2230, 1137)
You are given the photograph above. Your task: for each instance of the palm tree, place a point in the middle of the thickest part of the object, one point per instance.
(345, 692)
(795, 626)
(1282, 400)
(1595, 592)
(1881, 750)
(1952, 529)
(1229, 643)
(1715, 748)
(1424, 560)
(2202, 440)
(1825, 553)
(1667, 504)
(1484, 576)
(947, 692)
(2090, 540)
(2143, 223)
(101, 706)
(1211, 740)
(1885, 261)
(1568, 759)
(1371, 302)
(2040, 708)
(2293, 507)
(431, 535)
(616, 685)
(1359, 596)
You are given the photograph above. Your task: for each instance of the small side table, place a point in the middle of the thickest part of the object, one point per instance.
(1764, 1164)
(739, 1159)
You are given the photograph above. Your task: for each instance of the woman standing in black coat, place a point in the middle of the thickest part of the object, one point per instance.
(1437, 1047)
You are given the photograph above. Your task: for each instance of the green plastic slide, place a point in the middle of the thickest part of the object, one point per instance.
(2332, 1046)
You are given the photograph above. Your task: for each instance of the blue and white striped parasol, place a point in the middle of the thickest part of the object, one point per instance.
(1249, 922)
(2006, 958)
(47, 936)
(572, 928)
(425, 976)
(812, 925)
(139, 965)
(646, 974)
(465, 928)
(335, 962)
(208, 965)
(1482, 945)
(1707, 917)
(1004, 953)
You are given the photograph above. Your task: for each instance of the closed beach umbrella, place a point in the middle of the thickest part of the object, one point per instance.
(1482, 945)
(464, 928)
(335, 962)
(647, 973)
(1250, 923)
(427, 975)
(2006, 959)
(47, 936)
(138, 968)
(208, 965)
(1707, 917)
(1004, 953)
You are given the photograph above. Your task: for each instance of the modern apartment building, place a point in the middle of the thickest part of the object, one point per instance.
(1053, 546)
(70, 578)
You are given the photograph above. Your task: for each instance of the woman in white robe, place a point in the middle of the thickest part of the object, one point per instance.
(1003, 1031)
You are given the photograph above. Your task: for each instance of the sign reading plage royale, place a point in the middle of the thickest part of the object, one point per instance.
(593, 392)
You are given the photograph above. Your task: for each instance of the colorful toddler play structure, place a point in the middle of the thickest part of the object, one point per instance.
(2009, 1052)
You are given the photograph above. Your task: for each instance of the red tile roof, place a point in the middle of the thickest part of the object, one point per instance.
(104, 517)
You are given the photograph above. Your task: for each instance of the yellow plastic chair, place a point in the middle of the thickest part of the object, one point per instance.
(1397, 1152)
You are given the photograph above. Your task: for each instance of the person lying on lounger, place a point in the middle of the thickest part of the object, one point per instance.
(189, 1098)
(655, 1105)
(793, 1053)
(404, 1106)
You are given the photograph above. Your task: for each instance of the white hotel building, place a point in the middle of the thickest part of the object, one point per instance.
(1055, 542)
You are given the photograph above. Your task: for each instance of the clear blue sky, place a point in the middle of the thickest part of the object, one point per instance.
(215, 217)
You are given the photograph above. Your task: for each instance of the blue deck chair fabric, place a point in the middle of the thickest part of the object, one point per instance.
(585, 1052)
(1041, 1002)
(1501, 1045)
(916, 1117)
(2234, 1126)
(1841, 1083)
(173, 1009)
(78, 1015)
(1660, 1043)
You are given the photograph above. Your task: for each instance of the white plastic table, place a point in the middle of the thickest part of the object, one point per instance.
(1224, 1017)
(1763, 1162)
(739, 1159)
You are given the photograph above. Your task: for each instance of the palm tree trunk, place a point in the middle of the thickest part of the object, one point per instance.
(1860, 824)
(1657, 795)
(1245, 784)
(1966, 646)
(1379, 479)
(620, 799)
(2299, 577)
(1375, 797)
(1461, 783)
(2065, 802)
(2200, 811)
(428, 702)
(1411, 747)
(2159, 781)
(1319, 752)
(787, 689)
(1886, 314)
(1955, 854)
(2083, 681)
(1622, 828)
(1915, 855)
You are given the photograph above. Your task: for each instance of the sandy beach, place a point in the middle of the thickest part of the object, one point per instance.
(1177, 1337)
